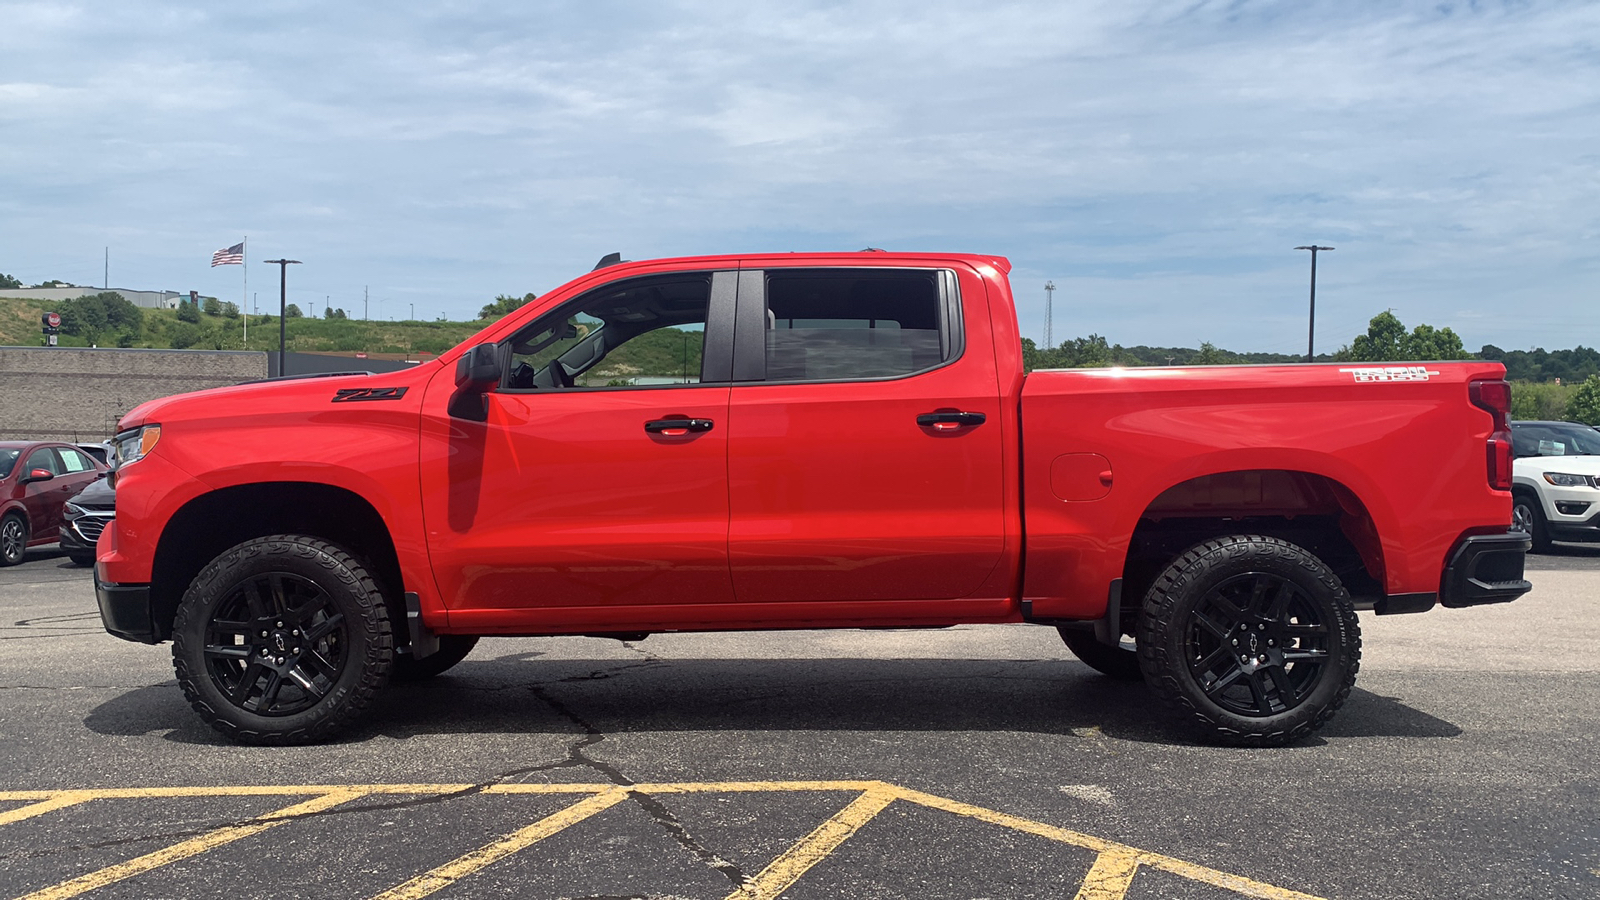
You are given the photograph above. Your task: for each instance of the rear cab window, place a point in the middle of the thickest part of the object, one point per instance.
(858, 324)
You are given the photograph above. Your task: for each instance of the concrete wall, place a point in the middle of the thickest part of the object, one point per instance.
(77, 394)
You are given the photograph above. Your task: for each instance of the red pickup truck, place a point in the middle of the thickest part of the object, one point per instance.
(802, 441)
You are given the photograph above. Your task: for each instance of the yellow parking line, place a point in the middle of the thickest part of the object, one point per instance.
(459, 868)
(1110, 876)
(261, 790)
(185, 849)
(61, 800)
(1234, 883)
(814, 847)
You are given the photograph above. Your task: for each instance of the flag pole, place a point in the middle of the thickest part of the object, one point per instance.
(244, 301)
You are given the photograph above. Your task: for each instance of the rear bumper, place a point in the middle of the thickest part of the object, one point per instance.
(1485, 568)
(125, 610)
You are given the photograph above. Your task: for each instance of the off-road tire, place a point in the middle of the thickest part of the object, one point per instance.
(1309, 668)
(280, 585)
(13, 539)
(453, 648)
(1120, 663)
(1525, 507)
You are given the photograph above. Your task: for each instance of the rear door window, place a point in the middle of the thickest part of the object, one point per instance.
(844, 325)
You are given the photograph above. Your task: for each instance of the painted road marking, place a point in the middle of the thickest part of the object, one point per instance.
(1109, 878)
(191, 847)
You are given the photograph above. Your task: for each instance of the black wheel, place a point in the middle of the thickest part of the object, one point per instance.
(1527, 517)
(13, 539)
(453, 648)
(1251, 638)
(282, 640)
(81, 559)
(1118, 662)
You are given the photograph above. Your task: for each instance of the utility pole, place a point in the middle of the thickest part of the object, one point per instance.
(413, 313)
(1311, 341)
(108, 270)
(283, 307)
(364, 298)
(1049, 296)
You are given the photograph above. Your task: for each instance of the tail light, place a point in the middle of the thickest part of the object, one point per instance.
(1494, 397)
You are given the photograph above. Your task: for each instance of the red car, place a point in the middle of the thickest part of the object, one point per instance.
(36, 480)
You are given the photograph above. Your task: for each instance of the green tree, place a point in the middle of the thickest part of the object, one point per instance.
(505, 305)
(1209, 355)
(1381, 343)
(1386, 340)
(230, 310)
(1584, 404)
(213, 306)
(187, 313)
(292, 312)
(6, 281)
(1532, 400)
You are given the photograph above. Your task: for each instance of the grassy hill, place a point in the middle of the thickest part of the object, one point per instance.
(161, 328)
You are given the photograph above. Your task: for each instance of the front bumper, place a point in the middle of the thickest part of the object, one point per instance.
(1485, 568)
(125, 610)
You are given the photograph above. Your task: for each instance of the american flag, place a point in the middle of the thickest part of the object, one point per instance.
(229, 256)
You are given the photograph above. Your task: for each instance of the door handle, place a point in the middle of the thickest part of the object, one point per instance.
(950, 421)
(678, 427)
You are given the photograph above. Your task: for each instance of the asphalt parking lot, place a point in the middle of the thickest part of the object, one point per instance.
(967, 762)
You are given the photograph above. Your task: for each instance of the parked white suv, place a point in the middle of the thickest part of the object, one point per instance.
(1555, 482)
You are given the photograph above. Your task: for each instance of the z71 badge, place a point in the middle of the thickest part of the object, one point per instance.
(1390, 373)
(350, 395)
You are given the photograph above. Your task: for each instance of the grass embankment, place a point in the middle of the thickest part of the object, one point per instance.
(161, 329)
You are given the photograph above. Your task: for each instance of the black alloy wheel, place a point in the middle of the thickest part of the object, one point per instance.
(13, 539)
(1252, 638)
(282, 640)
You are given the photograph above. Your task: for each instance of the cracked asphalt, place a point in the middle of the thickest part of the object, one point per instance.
(1462, 766)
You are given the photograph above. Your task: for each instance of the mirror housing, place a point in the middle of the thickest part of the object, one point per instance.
(38, 475)
(478, 370)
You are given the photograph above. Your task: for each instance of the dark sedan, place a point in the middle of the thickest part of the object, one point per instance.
(84, 517)
(36, 481)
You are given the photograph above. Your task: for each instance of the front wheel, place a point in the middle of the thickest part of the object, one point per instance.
(282, 640)
(1527, 517)
(13, 539)
(1251, 638)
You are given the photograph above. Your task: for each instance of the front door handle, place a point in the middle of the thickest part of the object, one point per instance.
(949, 420)
(678, 427)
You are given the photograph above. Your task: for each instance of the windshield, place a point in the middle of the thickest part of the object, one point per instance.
(1554, 440)
(8, 459)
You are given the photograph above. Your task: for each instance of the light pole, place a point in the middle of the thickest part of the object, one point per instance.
(1311, 340)
(283, 306)
(1049, 295)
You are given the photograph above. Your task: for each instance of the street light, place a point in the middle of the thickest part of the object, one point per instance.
(1311, 340)
(283, 306)
(1049, 295)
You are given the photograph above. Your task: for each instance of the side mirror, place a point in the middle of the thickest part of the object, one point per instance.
(38, 475)
(478, 370)
(477, 373)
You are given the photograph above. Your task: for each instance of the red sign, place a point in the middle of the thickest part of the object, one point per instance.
(52, 319)
(361, 356)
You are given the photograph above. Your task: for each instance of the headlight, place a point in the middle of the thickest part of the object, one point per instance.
(1564, 479)
(133, 444)
(72, 510)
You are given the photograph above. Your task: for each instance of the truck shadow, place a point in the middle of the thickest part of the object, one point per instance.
(513, 695)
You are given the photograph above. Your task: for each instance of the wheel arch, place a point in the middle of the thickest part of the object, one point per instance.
(210, 523)
(1312, 509)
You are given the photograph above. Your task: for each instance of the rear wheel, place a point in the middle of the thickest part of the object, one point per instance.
(1527, 517)
(13, 539)
(1121, 662)
(282, 640)
(1251, 638)
(453, 648)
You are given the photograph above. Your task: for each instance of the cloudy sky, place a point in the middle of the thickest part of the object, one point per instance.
(1157, 160)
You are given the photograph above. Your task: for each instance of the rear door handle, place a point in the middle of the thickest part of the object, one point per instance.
(678, 427)
(950, 421)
